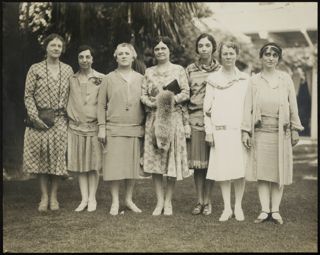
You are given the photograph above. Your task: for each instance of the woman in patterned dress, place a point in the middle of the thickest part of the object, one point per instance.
(47, 87)
(223, 106)
(269, 131)
(84, 150)
(198, 149)
(121, 126)
(173, 162)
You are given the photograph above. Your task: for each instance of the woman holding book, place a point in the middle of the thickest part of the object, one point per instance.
(165, 151)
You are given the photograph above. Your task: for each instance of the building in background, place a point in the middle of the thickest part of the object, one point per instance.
(293, 25)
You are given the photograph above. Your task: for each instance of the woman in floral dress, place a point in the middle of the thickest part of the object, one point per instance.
(173, 162)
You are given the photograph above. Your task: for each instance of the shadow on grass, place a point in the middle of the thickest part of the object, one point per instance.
(27, 230)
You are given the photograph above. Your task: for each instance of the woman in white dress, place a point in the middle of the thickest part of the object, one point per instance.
(223, 106)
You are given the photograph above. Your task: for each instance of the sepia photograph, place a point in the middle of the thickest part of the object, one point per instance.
(159, 127)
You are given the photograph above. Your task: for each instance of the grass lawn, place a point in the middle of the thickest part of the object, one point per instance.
(27, 230)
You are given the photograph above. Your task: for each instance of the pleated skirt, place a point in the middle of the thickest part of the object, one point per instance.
(84, 153)
(198, 150)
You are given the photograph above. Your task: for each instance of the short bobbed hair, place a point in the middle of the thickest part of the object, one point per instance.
(273, 46)
(51, 37)
(129, 46)
(165, 39)
(210, 38)
(228, 44)
(84, 47)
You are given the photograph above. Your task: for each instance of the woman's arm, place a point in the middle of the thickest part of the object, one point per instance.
(30, 87)
(207, 109)
(102, 102)
(184, 95)
(101, 110)
(293, 106)
(147, 99)
(246, 124)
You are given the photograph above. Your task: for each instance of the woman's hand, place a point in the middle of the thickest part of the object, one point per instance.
(102, 135)
(209, 139)
(153, 102)
(294, 137)
(246, 139)
(39, 124)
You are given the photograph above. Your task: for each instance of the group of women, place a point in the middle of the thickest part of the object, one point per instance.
(226, 126)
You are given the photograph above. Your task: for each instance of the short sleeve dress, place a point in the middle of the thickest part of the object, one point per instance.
(174, 162)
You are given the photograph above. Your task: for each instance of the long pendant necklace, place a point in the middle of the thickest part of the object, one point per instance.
(47, 76)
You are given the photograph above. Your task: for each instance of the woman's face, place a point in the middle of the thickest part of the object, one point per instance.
(54, 48)
(85, 59)
(228, 56)
(161, 51)
(270, 58)
(124, 56)
(205, 48)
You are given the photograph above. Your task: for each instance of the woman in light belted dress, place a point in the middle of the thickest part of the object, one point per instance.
(270, 129)
(121, 126)
(173, 162)
(47, 87)
(223, 106)
(84, 150)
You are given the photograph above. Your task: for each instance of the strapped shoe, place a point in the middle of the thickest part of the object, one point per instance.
(197, 209)
(207, 209)
(277, 219)
(263, 216)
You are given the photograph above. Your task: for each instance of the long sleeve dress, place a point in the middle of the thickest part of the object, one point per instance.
(121, 112)
(270, 113)
(198, 149)
(44, 150)
(174, 162)
(84, 150)
(223, 107)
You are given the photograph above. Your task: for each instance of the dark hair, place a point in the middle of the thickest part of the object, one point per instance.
(85, 47)
(229, 44)
(51, 37)
(210, 38)
(275, 47)
(165, 39)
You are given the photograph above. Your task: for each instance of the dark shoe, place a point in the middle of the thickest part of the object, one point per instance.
(263, 216)
(276, 218)
(207, 209)
(197, 209)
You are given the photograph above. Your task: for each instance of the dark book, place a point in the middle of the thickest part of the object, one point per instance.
(173, 87)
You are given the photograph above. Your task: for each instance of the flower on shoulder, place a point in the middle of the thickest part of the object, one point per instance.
(96, 81)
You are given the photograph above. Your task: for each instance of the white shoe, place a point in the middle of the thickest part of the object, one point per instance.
(114, 210)
(81, 207)
(226, 215)
(157, 211)
(238, 214)
(92, 206)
